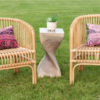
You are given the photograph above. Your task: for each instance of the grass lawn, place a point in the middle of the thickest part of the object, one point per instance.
(19, 86)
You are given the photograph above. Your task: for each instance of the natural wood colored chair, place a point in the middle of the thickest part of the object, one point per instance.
(80, 54)
(25, 54)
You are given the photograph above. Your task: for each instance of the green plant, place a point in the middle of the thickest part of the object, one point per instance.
(53, 19)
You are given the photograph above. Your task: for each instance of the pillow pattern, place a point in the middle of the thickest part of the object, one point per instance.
(7, 38)
(93, 35)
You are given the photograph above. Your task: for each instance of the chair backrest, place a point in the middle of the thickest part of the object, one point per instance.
(79, 30)
(23, 32)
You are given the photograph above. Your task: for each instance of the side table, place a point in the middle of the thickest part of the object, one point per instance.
(50, 42)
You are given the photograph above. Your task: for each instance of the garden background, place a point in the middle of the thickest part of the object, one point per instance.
(19, 86)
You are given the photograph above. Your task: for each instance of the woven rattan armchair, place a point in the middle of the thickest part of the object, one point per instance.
(80, 54)
(25, 54)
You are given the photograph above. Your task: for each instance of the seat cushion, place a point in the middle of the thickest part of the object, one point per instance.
(7, 38)
(93, 35)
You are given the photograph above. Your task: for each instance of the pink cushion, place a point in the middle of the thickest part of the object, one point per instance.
(93, 35)
(7, 38)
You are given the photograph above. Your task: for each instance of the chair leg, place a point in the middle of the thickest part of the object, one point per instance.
(80, 68)
(34, 78)
(16, 70)
(71, 73)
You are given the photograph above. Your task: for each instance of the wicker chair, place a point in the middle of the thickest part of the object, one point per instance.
(80, 54)
(25, 54)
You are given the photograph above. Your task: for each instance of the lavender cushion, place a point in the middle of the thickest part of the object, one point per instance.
(93, 35)
(7, 38)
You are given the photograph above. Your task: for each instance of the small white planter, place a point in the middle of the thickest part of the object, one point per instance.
(51, 26)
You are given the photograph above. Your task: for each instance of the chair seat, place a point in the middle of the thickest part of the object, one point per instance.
(16, 56)
(88, 48)
(87, 54)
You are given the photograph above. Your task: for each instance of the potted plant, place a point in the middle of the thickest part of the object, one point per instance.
(52, 23)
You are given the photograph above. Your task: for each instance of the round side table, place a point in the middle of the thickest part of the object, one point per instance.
(50, 42)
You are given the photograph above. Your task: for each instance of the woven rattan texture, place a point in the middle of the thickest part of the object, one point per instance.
(14, 57)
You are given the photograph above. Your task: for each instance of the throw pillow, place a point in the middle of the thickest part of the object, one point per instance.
(93, 35)
(7, 38)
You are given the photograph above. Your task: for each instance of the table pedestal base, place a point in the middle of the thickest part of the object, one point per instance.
(48, 67)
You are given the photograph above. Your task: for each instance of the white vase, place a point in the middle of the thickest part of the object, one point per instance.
(51, 26)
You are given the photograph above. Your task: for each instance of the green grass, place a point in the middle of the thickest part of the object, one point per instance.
(19, 86)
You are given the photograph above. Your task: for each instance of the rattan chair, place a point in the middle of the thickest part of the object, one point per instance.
(80, 54)
(25, 54)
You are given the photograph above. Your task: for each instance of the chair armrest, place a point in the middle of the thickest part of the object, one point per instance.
(76, 33)
(27, 35)
(71, 38)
